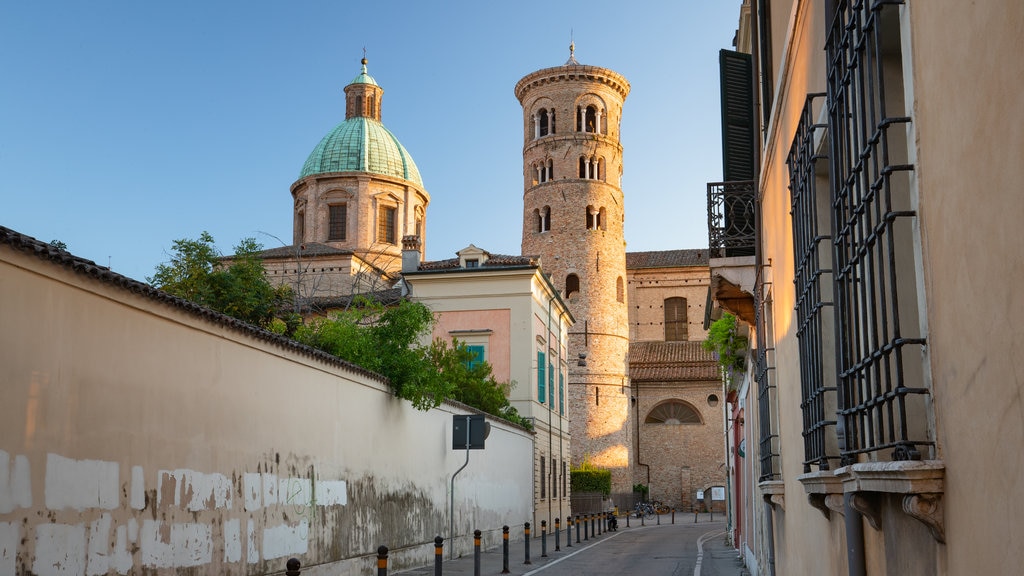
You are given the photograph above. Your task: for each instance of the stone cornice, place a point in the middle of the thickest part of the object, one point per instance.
(612, 79)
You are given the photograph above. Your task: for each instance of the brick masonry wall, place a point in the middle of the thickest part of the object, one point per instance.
(683, 458)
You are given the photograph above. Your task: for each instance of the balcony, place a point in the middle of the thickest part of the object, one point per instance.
(731, 244)
(731, 218)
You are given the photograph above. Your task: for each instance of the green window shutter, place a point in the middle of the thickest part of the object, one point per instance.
(561, 393)
(737, 116)
(541, 396)
(551, 388)
(478, 356)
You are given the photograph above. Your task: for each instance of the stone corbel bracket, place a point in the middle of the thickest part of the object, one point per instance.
(774, 491)
(919, 481)
(824, 491)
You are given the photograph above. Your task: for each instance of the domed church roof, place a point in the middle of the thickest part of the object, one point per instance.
(361, 143)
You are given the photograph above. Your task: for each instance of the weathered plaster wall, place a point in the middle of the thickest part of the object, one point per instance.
(137, 437)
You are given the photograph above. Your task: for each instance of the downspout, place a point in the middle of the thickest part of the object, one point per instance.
(551, 394)
(755, 46)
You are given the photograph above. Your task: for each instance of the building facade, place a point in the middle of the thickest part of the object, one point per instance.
(573, 219)
(877, 144)
(678, 400)
(506, 310)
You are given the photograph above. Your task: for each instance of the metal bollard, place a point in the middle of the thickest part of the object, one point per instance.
(543, 538)
(568, 531)
(712, 514)
(504, 549)
(382, 561)
(293, 567)
(577, 528)
(601, 529)
(526, 541)
(658, 515)
(438, 554)
(627, 519)
(695, 515)
(673, 515)
(586, 535)
(643, 519)
(476, 553)
(558, 534)
(592, 529)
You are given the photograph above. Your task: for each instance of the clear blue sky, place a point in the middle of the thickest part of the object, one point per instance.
(125, 125)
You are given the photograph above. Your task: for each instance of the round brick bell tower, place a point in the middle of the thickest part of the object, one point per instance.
(573, 218)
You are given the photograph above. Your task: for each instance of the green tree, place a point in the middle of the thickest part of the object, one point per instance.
(387, 340)
(196, 272)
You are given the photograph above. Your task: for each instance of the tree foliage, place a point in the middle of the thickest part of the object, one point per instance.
(387, 340)
(196, 272)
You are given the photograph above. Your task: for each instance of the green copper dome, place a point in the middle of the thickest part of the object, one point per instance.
(363, 77)
(361, 144)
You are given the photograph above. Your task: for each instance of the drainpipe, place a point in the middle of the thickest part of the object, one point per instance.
(854, 538)
(769, 532)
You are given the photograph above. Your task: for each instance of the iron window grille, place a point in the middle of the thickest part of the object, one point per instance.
(731, 218)
(882, 400)
(770, 449)
(812, 277)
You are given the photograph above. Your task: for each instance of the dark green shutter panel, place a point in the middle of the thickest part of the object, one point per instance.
(737, 116)
(541, 395)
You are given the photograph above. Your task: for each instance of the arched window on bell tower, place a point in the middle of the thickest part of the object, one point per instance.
(572, 285)
(544, 123)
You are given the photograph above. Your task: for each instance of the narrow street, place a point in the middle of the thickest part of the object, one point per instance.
(681, 549)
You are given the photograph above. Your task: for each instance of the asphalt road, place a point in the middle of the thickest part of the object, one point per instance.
(681, 549)
(666, 550)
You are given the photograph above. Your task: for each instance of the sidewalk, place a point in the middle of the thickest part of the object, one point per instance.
(491, 560)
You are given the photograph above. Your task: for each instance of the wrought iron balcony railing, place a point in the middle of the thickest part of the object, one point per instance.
(731, 218)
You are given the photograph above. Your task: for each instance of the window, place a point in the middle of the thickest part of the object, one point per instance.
(572, 285)
(812, 278)
(541, 393)
(676, 325)
(300, 227)
(478, 356)
(673, 412)
(543, 478)
(595, 220)
(561, 394)
(597, 396)
(882, 397)
(620, 292)
(472, 263)
(387, 225)
(543, 122)
(544, 219)
(551, 386)
(337, 216)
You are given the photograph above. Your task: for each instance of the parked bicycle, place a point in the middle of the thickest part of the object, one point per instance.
(644, 510)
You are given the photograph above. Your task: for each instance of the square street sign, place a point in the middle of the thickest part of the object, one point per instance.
(477, 428)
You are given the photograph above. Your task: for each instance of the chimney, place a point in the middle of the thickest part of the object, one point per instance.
(410, 253)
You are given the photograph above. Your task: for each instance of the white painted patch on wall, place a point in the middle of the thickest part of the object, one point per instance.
(253, 552)
(295, 492)
(60, 550)
(98, 561)
(15, 483)
(233, 540)
(269, 489)
(80, 484)
(284, 540)
(121, 558)
(331, 493)
(195, 490)
(252, 488)
(138, 498)
(176, 545)
(10, 535)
